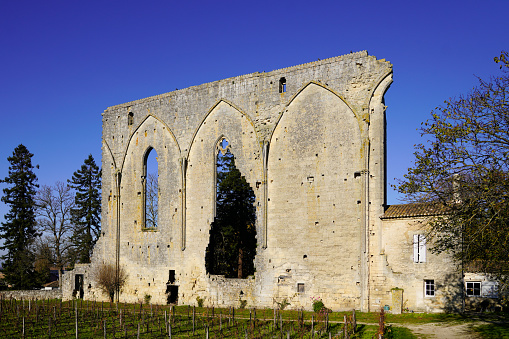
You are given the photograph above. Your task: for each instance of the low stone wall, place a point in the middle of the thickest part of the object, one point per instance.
(32, 294)
(228, 291)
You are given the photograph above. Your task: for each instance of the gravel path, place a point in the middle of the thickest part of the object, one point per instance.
(443, 331)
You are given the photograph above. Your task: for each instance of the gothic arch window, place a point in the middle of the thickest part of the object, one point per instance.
(232, 245)
(150, 182)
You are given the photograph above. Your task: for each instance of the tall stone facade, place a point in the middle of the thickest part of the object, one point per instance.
(310, 141)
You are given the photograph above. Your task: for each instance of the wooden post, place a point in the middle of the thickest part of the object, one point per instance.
(327, 322)
(354, 320)
(346, 336)
(76, 313)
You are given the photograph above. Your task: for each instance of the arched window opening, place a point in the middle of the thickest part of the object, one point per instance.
(150, 189)
(232, 245)
(282, 85)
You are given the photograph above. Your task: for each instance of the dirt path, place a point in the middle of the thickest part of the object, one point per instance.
(442, 331)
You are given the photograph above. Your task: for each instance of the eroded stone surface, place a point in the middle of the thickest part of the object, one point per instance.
(314, 154)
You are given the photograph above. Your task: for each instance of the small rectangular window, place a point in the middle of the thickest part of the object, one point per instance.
(429, 288)
(419, 248)
(130, 119)
(300, 288)
(473, 288)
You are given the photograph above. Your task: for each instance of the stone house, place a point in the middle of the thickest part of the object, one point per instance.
(310, 141)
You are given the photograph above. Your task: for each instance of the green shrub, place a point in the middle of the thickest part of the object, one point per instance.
(200, 301)
(318, 305)
(147, 298)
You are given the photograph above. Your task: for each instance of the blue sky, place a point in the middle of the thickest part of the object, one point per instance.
(62, 63)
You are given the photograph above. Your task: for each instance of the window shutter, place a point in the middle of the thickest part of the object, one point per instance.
(422, 248)
(416, 247)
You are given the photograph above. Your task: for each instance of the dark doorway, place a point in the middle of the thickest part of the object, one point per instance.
(78, 285)
(172, 292)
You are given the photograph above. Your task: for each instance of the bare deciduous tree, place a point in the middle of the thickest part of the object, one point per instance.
(152, 200)
(106, 279)
(54, 204)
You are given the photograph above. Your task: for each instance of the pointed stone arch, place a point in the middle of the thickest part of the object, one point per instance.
(138, 128)
(212, 109)
(151, 133)
(222, 120)
(301, 90)
(315, 155)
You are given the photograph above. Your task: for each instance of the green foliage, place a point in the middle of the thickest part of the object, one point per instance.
(462, 173)
(19, 229)
(86, 216)
(200, 301)
(282, 305)
(318, 305)
(147, 299)
(243, 304)
(232, 245)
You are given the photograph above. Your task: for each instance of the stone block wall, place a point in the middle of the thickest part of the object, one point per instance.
(396, 268)
(32, 294)
(310, 141)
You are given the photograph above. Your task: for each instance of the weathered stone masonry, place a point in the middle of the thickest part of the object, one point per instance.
(309, 139)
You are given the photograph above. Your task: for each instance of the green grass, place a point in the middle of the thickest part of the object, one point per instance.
(492, 331)
(397, 332)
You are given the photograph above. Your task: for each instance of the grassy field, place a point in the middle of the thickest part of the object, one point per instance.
(57, 319)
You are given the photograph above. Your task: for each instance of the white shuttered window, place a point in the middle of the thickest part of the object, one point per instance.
(419, 248)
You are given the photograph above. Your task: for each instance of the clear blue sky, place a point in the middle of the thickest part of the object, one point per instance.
(62, 63)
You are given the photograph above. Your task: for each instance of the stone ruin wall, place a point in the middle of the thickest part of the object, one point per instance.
(314, 156)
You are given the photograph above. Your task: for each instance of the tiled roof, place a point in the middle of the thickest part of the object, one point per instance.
(411, 210)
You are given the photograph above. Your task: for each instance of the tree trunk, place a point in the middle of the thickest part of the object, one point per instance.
(239, 267)
(60, 277)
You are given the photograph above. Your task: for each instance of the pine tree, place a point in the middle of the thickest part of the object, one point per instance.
(86, 217)
(19, 229)
(232, 246)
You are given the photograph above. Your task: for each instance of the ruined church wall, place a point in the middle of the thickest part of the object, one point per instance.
(314, 194)
(311, 200)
